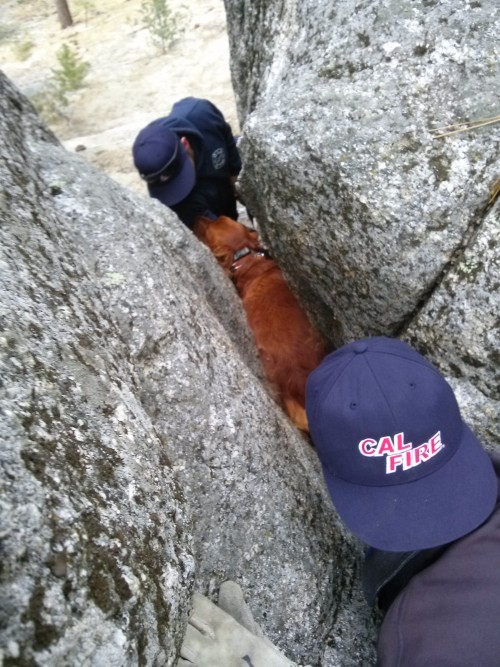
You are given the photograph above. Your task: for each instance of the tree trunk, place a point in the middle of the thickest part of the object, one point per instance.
(64, 14)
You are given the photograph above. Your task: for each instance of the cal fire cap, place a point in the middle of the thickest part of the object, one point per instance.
(163, 163)
(403, 470)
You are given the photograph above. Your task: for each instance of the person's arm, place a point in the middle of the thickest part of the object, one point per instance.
(210, 198)
(232, 151)
(448, 613)
(234, 159)
(193, 207)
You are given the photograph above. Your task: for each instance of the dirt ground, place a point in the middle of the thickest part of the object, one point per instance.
(130, 82)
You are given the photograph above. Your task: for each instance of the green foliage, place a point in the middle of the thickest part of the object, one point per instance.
(72, 70)
(51, 100)
(23, 49)
(158, 18)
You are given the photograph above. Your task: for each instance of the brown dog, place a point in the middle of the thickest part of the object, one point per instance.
(288, 346)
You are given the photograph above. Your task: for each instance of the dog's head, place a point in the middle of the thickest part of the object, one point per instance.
(224, 237)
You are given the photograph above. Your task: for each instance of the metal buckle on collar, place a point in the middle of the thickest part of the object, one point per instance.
(242, 252)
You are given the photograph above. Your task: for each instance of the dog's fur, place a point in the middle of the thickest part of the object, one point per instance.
(288, 346)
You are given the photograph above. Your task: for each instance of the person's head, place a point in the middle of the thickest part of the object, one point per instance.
(166, 162)
(403, 470)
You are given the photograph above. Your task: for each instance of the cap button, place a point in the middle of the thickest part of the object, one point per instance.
(360, 347)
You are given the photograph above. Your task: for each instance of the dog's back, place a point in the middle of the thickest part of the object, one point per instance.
(288, 346)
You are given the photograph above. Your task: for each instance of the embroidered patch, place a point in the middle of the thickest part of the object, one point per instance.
(218, 158)
(401, 454)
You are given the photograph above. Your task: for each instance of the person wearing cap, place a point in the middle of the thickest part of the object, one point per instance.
(190, 161)
(410, 479)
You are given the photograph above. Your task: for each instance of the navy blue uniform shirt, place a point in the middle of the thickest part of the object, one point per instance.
(216, 159)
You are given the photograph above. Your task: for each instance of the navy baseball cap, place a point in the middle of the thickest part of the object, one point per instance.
(163, 163)
(403, 470)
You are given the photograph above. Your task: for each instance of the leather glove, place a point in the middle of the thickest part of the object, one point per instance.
(231, 601)
(215, 639)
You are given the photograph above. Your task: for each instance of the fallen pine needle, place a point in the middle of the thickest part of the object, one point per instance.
(455, 128)
(494, 191)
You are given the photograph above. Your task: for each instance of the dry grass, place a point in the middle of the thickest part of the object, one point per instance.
(466, 126)
(494, 192)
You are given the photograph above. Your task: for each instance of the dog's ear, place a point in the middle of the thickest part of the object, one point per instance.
(225, 219)
(225, 258)
(207, 231)
(200, 227)
(252, 238)
(203, 225)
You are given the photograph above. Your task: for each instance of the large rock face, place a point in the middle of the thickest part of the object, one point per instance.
(142, 456)
(382, 228)
(97, 564)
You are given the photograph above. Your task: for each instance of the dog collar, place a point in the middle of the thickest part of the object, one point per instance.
(242, 252)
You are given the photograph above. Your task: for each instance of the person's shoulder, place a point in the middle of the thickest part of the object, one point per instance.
(193, 104)
(187, 116)
(183, 106)
(198, 108)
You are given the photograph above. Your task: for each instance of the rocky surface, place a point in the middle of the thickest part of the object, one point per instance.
(382, 227)
(459, 328)
(144, 457)
(97, 561)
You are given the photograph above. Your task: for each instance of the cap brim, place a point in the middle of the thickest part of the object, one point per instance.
(176, 189)
(434, 510)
